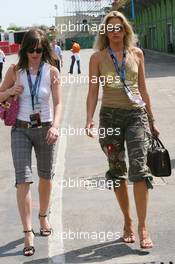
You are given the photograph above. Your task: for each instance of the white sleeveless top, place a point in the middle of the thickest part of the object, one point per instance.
(25, 109)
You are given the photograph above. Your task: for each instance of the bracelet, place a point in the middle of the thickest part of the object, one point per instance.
(55, 127)
(8, 92)
(151, 119)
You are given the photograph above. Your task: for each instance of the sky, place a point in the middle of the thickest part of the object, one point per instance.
(29, 13)
(40, 12)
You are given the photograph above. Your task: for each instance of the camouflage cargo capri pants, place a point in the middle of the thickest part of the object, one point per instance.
(118, 126)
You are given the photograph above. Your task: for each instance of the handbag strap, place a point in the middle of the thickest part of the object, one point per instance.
(156, 142)
(16, 81)
(160, 142)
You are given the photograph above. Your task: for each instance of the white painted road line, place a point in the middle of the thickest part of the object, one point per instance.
(55, 241)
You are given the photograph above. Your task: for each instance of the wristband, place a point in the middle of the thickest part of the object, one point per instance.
(151, 119)
(8, 92)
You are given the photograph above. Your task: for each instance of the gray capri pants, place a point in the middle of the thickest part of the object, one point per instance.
(22, 142)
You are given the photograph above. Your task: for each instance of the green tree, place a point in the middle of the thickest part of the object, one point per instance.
(14, 27)
(117, 4)
(107, 9)
(44, 28)
(1, 30)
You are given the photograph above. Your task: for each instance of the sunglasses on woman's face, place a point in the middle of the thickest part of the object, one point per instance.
(37, 50)
(115, 28)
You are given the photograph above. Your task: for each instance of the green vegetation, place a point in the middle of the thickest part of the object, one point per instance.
(1, 30)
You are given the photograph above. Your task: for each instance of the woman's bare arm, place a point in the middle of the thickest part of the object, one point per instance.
(93, 91)
(8, 87)
(144, 92)
(56, 95)
(53, 131)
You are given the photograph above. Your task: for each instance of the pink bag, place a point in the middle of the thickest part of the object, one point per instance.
(9, 111)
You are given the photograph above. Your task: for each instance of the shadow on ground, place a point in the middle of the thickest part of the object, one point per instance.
(173, 163)
(95, 253)
(4, 250)
(11, 246)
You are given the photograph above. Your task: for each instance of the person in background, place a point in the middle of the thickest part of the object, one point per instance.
(138, 44)
(58, 54)
(34, 79)
(62, 45)
(75, 57)
(126, 117)
(2, 60)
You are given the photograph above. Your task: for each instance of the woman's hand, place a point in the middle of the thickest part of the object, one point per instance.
(154, 130)
(16, 90)
(52, 135)
(88, 127)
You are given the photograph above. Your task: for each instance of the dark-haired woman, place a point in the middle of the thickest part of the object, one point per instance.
(34, 79)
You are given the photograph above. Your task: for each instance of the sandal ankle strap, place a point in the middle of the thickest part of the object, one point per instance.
(29, 231)
(42, 215)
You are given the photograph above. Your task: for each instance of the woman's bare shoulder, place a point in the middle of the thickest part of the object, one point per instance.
(138, 52)
(11, 72)
(98, 55)
(9, 79)
(53, 69)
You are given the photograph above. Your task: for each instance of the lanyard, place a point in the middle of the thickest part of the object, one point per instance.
(119, 70)
(33, 87)
(122, 73)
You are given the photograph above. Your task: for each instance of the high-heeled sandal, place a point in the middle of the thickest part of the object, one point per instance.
(43, 231)
(30, 250)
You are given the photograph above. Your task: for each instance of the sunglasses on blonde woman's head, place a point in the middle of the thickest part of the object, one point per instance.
(114, 28)
(37, 50)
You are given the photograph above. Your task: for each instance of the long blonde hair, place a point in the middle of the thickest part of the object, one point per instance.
(102, 40)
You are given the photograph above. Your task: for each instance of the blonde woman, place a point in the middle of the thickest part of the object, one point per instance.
(126, 117)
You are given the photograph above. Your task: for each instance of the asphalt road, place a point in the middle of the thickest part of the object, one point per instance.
(86, 219)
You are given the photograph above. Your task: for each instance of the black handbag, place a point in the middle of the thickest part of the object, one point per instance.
(158, 159)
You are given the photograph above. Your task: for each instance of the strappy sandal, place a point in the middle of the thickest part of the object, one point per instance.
(30, 250)
(128, 237)
(145, 241)
(43, 231)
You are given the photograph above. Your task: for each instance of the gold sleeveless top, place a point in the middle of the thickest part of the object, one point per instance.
(113, 90)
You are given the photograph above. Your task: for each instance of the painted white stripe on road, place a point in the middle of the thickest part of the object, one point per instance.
(55, 242)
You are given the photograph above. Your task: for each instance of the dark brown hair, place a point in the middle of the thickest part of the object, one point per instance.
(32, 39)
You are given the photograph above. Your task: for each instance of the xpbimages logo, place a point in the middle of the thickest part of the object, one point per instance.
(102, 132)
(87, 27)
(90, 184)
(84, 235)
(84, 79)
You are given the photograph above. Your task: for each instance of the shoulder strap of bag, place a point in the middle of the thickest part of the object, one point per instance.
(17, 78)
